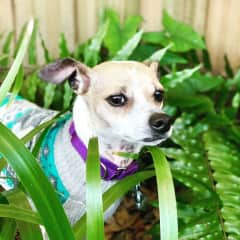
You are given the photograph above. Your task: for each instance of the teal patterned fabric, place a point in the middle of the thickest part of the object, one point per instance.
(7, 99)
(7, 172)
(47, 158)
(46, 154)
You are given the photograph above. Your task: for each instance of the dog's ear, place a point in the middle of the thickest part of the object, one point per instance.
(152, 65)
(67, 69)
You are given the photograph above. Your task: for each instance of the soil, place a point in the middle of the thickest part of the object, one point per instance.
(130, 223)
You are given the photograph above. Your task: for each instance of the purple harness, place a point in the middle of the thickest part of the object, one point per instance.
(109, 171)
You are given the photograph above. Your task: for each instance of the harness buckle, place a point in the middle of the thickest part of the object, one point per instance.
(105, 170)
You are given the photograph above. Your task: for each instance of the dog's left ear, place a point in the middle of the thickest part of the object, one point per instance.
(152, 65)
(67, 69)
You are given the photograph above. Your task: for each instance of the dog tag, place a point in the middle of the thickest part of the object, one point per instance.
(139, 197)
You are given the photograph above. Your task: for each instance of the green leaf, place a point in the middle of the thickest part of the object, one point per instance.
(236, 100)
(79, 51)
(3, 58)
(20, 214)
(49, 94)
(171, 58)
(17, 84)
(7, 43)
(200, 216)
(94, 208)
(36, 184)
(127, 155)
(197, 83)
(63, 47)
(118, 35)
(143, 51)
(130, 27)
(224, 159)
(32, 55)
(112, 39)
(235, 82)
(7, 226)
(31, 81)
(196, 103)
(111, 195)
(125, 52)
(158, 55)
(7, 229)
(228, 68)
(27, 230)
(47, 56)
(204, 83)
(206, 60)
(8, 81)
(39, 128)
(67, 96)
(6, 49)
(20, 39)
(173, 79)
(181, 35)
(91, 53)
(166, 196)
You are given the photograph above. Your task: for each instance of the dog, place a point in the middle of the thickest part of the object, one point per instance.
(120, 102)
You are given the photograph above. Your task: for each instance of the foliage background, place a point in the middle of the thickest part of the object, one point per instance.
(203, 150)
(79, 20)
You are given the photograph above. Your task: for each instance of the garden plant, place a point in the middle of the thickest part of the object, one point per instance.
(203, 151)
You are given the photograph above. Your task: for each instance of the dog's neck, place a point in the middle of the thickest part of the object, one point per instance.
(108, 147)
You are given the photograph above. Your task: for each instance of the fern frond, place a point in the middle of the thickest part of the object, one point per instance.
(199, 207)
(224, 158)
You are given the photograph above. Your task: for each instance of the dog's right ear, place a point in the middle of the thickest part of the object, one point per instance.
(67, 69)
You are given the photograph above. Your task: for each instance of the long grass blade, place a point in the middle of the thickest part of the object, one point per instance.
(27, 230)
(32, 55)
(94, 208)
(36, 184)
(166, 196)
(20, 39)
(63, 46)
(113, 194)
(49, 94)
(6, 49)
(7, 229)
(20, 214)
(67, 96)
(17, 84)
(32, 82)
(7, 83)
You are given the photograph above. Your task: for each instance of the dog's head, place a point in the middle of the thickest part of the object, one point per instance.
(124, 98)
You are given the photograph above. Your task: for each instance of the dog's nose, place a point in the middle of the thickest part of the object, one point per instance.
(160, 122)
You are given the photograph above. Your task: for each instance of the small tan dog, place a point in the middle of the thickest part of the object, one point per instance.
(120, 102)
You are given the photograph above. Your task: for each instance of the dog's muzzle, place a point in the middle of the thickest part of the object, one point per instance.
(160, 124)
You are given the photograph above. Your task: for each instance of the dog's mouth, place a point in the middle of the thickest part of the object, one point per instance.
(158, 137)
(154, 138)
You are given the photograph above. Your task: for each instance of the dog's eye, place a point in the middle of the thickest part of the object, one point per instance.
(117, 100)
(158, 95)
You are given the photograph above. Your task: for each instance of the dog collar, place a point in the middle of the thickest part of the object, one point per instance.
(109, 171)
